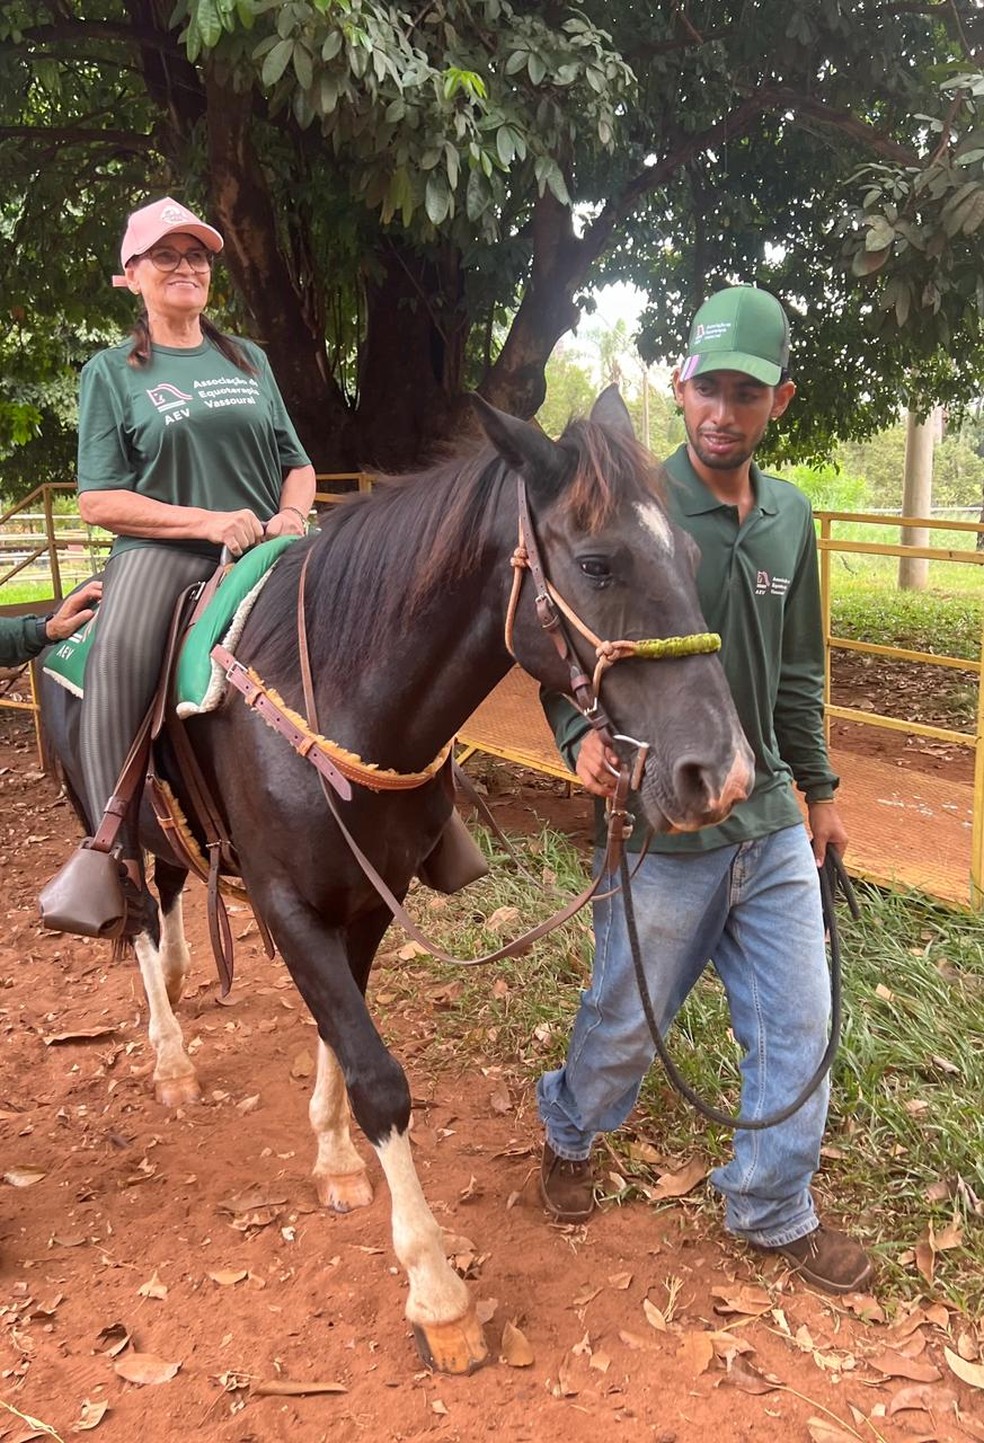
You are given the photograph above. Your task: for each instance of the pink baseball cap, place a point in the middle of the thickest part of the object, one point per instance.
(153, 222)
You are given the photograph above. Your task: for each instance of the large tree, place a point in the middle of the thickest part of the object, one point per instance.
(416, 202)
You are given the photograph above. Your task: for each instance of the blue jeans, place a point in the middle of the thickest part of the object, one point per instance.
(754, 911)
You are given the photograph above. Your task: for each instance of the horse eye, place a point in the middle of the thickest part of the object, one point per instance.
(596, 569)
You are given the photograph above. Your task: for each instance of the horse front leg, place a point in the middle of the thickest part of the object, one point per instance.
(448, 1334)
(340, 1175)
(439, 1308)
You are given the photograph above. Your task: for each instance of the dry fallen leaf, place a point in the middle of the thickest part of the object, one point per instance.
(289, 1388)
(585, 1296)
(620, 1281)
(972, 1373)
(822, 1430)
(227, 1277)
(743, 1375)
(654, 1317)
(678, 1184)
(145, 1368)
(411, 950)
(252, 1198)
(303, 1065)
(500, 1100)
(515, 1349)
(896, 1365)
(113, 1339)
(23, 1176)
(600, 1362)
(439, 1408)
(77, 1034)
(696, 1352)
(154, 1288)
(502, 917)
(925, 1255)
(921, 1396)
(631, 1340)
(91, 1415)
(741, 1298)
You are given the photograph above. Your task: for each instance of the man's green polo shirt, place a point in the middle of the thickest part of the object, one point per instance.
(759, 587)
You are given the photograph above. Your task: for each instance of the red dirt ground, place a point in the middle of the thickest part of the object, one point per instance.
(130, 1195)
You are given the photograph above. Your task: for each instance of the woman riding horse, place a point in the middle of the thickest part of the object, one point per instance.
(185, 446)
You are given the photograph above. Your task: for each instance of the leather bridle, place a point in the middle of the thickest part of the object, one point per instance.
(554, 614)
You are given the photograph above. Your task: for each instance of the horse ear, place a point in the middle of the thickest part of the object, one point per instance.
(611, 412)
(521, 445)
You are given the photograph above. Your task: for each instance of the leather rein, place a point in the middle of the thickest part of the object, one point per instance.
(553, 614)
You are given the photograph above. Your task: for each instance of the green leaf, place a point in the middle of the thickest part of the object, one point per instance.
(505, 145)
(332, 45)
(303, 66)
(437, 198)
(880, 234)
(535, 68)
(209, 23)
(276, 62)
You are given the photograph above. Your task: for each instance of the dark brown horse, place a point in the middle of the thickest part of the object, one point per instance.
(406, 595)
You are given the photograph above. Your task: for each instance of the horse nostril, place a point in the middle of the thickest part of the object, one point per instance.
(690, 780)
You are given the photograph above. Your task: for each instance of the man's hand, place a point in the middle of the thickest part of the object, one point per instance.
(594, 766)
(826, 828)
(74, 612)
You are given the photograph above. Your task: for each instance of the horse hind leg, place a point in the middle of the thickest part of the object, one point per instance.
(161, 954)
(340, 1175)
(175, 958)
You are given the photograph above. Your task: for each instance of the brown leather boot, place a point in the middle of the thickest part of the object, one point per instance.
(567, 1187)
(828, 1259)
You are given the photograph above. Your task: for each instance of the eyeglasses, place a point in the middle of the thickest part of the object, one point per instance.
(165, 258)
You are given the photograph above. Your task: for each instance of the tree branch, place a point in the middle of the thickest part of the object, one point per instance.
(78, 135)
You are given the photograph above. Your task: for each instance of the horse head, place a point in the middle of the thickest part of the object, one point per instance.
(621, 571)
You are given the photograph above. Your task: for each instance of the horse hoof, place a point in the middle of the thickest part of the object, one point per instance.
(458, 1347)
(177, 1091)
(343, 1192)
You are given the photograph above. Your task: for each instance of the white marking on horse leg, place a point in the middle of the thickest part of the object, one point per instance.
(653, 518)
(175, 957)
(339, 1172)
(439, 1307)
(174, 1076)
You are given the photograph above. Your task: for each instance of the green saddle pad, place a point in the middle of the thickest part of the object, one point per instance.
(198, 683)
(222, 620)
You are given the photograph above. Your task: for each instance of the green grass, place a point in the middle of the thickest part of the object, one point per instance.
(905, 1142)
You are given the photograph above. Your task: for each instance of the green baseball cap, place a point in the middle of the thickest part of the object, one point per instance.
(739, 329)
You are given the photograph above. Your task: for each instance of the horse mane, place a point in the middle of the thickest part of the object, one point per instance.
(379, 558)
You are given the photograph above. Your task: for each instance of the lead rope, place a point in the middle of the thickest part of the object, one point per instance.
(831, 875)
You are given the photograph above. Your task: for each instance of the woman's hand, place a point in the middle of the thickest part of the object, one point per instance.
(237, 530)
(289, 521)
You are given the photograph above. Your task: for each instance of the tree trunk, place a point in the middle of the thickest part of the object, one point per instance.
(411, 359)
(286, 313)
(917, 497)
(516, 381)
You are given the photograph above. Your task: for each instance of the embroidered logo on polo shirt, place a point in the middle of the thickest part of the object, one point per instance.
(766, 585)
